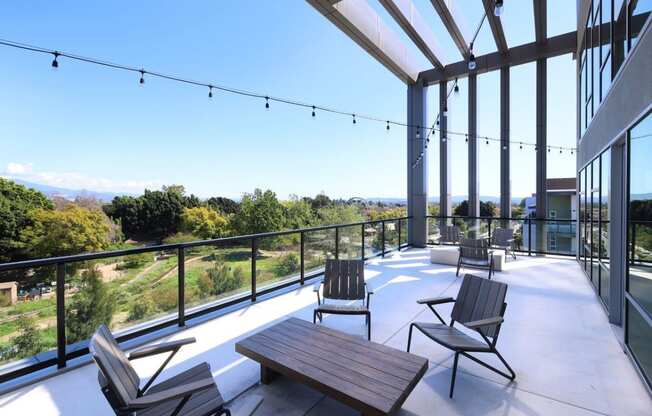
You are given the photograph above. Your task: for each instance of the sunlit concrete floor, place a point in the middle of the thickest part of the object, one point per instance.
(556, 337)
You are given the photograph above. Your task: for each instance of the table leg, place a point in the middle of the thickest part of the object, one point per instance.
(267, 375)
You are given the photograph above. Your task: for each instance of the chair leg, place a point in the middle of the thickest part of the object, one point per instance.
(459, 263)
(369, 326)
(410, 337)
(314, 317)
(457, 356)
(511, 372)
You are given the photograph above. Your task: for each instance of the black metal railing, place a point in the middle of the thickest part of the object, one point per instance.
(375, 239)
(532, 236)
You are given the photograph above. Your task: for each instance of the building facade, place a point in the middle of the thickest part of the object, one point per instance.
(614, 104)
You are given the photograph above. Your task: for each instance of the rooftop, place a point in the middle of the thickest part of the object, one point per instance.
(556, 337)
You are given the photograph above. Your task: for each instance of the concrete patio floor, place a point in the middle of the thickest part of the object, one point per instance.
(556, 337)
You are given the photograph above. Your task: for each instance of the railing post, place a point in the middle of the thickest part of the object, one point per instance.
(489, 226)
(61, 315)
(529, 236)
(383, 237)
(253, 269)
(181, 268)
(399, 234)
(633, 255)
(337, 243)
(362, 245)
(301, 254)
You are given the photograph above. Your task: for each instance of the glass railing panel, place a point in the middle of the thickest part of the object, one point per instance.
(404, 231)
(125, 293)
(278, 259)
(433, 230)
(318, 246)
(391, 235)
(28, 316)
(217, 273)
(373, 239)
(350, 244)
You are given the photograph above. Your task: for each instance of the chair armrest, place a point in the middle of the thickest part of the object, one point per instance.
(160, 348)
(435, 301)
(149, 400)
(496, 320)
(317, 286)
(370, 288)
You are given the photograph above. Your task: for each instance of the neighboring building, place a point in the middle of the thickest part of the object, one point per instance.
(8, 293)
(561, 199)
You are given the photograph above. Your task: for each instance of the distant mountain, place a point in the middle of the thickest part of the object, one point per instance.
(435, 200)
(635, 197)
(70, 194)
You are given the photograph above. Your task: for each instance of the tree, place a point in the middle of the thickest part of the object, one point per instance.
(298, 213)
(28, 342)
(224, 278)
(339, 214)
(320, 201)
(126, 210)
(92, 306)
(384, 214)
(16, 206)
(487, 209)
(160, 212)
(288, 264)
(71, 231)
(260, 212)
(203, 222)
(224, 205)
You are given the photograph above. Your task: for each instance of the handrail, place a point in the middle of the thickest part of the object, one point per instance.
(48, 261)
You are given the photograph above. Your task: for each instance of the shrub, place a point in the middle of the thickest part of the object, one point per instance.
(165, 298)
(225, 278)
(141, 308)
(27, 343)
(93, 305)
(137, 260)
(288, 264)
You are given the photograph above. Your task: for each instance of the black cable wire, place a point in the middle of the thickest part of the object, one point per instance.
(211, 86)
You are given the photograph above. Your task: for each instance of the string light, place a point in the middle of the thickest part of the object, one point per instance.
(520, 146)
(456, 89)
(55, 63)
(211, 86)
(472, 62)
(487, 141)
(418, 134)
(466, 138)
(498, 10)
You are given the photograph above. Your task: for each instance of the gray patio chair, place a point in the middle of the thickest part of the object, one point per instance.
(190, 393)
(476, 254)
(449, 234)
(503, 239)
(480, 306)
(344, 280)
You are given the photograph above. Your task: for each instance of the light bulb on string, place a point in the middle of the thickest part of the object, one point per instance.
(354, 122)
(313, 111)
(210, 91)
(466, 138)
(520, 146)
(387, 125)
(498, 9)
(142, 77)
(266, 103)
(456, 89)
(55, 63)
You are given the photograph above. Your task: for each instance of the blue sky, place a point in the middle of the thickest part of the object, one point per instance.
(86, 126)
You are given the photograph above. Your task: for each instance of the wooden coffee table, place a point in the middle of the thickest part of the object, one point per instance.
(369, 377)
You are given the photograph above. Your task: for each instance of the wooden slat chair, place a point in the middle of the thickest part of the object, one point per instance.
(344, 280)
(449, 234)
(503, 239)
(480, 306)
(476, 254)
(191, 393)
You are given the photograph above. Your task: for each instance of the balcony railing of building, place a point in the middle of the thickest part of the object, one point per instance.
(531, 235)
(210, 275)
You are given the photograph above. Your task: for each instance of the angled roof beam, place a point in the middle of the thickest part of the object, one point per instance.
(540, 20)
(358, 20)
(449, 16)
(555, 46)
(411, 21)
(496, 26)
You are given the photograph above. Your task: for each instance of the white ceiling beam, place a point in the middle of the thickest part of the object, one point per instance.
(451, 17)
(358, 20)
(408, 17)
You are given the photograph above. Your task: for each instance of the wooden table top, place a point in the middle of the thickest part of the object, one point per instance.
(370, 377)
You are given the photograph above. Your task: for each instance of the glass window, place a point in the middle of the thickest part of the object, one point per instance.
(605, 77)
(595, 222)
(619, 38)
(596, 68)
(640, 213)
(639, 11)
(581, 216)
(639, 339)
(605, 181)
(582, 99)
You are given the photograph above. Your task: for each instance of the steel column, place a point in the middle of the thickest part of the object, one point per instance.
(474, 185)
(505, 178)
(542, 154)
(445, 207)
(417, 174)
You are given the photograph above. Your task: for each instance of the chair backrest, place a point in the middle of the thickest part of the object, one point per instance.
(344, 279)
(474, 249)
(449, 234)
(480, 299)
(118, 379)
(501, 236)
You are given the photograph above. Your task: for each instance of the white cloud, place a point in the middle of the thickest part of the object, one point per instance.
(18, 168)
(76, 180)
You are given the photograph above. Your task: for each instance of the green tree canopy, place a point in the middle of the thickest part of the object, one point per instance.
(260, 212)
(16, 206)
(487, 209)
(224, 205)
(91, 306)
(71, 231)
(298, 213)
(203, 222)
(339, 214)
